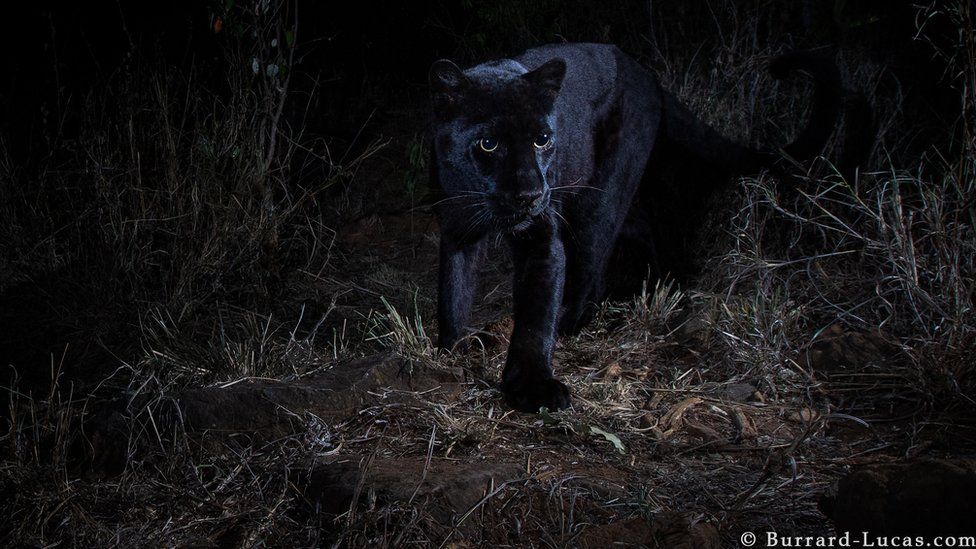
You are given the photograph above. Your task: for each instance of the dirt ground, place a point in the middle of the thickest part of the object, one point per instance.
(665, 446)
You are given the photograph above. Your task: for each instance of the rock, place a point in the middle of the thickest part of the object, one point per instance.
(925, 497)
(667, 529)
(837, 349)
(601, 483)
(274, 408)
(633, 532)
(447, 490)
(253, 412)
(737, 392)
(673, 530)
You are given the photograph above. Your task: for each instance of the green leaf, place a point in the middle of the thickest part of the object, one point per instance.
(546, 417)
(612, 438)
(290, 37)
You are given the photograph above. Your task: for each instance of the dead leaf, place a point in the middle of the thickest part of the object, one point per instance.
(612, 438)
(806, 415)
(613, 371)
(744, 427)
(654, 401)
(703, 432)
(673, 417)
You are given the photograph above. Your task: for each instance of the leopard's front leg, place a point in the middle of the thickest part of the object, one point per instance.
(528, 381)
(458, 280)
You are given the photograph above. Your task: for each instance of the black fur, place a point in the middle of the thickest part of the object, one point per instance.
(552, 149)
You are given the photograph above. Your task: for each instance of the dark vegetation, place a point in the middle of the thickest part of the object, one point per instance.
(208, 210)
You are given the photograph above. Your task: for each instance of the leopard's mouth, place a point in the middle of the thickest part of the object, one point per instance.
(540, 205)
(524, 224)
(514, 219)
(519, 221)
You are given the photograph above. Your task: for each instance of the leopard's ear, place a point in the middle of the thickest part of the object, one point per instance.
(548, 76)
(447, 83)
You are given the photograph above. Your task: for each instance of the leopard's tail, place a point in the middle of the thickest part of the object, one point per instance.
(682, 128)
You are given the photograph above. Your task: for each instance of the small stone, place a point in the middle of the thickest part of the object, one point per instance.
(738, 392)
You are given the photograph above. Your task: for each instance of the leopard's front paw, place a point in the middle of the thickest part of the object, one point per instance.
(528, 395)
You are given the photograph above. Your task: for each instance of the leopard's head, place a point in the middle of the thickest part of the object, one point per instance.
(495, 139)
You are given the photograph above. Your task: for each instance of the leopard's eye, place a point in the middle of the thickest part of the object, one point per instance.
(488, 144)
(542, 141)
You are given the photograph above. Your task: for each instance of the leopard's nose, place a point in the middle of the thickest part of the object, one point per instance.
(529, 199)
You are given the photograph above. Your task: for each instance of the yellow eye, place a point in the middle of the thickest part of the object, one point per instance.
(542, 141)
(487, 144)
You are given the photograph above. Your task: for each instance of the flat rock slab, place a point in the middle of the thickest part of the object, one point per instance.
(838, 350)
(253, 412)
(925, 497)
(271, 407)
(667, 529)
(445, 489)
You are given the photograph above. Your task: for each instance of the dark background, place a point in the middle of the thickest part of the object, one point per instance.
(68, 68)
(370, 54)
